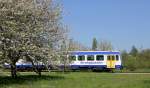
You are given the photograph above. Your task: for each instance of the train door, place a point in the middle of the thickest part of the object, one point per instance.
(111, 61)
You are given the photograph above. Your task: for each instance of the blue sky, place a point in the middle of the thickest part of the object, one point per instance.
(122, 22)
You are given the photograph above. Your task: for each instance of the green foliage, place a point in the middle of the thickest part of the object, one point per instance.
(144, 58)
(132, 63)
(136, 59)
(134, 51)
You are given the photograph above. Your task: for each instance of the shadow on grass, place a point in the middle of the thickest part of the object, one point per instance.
(146, 82)
(7, 80)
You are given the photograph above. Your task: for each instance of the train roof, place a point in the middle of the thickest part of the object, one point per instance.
(94, 52)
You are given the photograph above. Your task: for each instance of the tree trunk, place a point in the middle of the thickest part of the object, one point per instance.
(35, 68)
(13, 70)
(39, 72)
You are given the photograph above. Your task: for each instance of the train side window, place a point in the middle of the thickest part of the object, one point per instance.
(81, 58)
(90, 57)
(117, 57)
(100, 57)
(73, 58)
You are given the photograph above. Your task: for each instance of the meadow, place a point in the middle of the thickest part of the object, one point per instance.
(75, 80)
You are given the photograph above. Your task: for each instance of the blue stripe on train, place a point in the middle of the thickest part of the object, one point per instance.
(94, 53)
(29, 66)
(101, 67)
(24, 66)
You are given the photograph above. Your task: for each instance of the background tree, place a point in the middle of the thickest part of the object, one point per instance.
(129, 61)
(144, 59)
(30, 28)
(104, 45)
(136, 59)
(94, 44)
(76, 46)
(64, 57)
(134, 51)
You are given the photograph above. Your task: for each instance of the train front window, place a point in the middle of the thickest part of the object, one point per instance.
(108, 58)
(73, 58)
(100, 57)
(90, 57)
(117, 57)
(113, 57)
(81, 58)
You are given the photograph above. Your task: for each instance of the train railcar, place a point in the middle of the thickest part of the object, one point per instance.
(101, 60)
(95, 60)
(23, 65)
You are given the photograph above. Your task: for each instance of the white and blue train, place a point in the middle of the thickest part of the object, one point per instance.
(95, 60)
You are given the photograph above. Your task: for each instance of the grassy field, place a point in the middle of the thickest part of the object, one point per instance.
(75, 80)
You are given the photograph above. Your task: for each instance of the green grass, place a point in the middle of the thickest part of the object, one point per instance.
(137, 70)
(75, 80)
